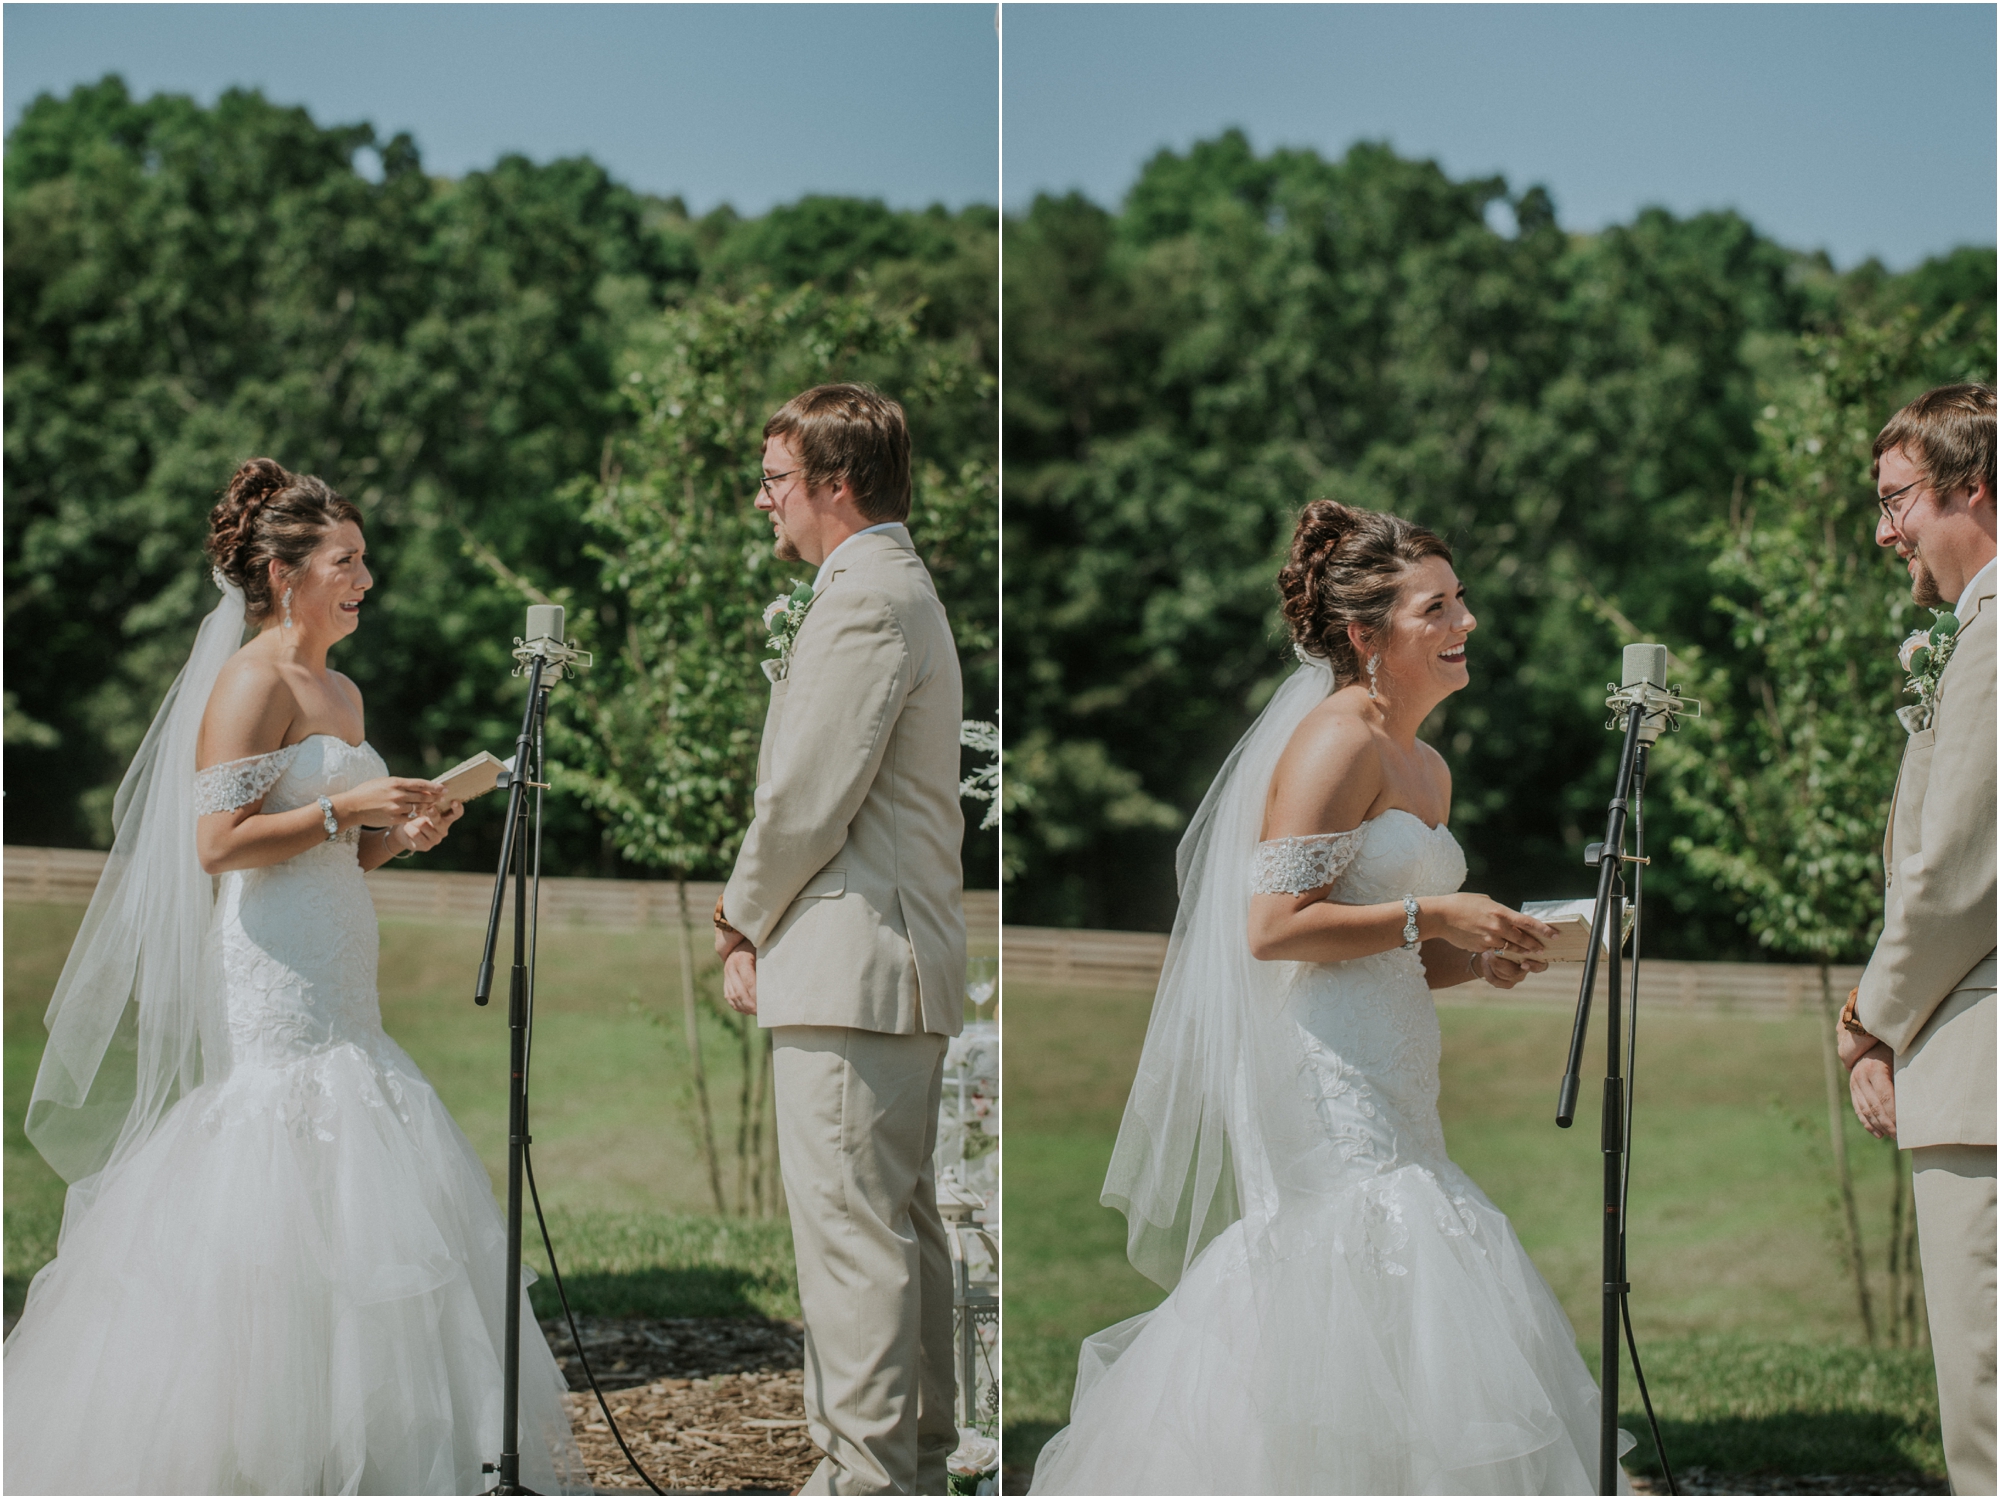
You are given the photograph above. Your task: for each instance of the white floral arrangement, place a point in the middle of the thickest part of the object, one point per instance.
(973, 1467)
(782, 618)
(983, 785)
(1923, 657)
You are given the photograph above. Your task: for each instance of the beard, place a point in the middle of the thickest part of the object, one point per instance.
(785, 551)
(1923, 586)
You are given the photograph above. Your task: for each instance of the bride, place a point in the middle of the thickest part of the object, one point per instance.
(281, 1265)
(1349, 1314)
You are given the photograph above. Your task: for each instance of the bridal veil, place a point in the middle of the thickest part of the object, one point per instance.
(138, 1004)
(1211, 1108)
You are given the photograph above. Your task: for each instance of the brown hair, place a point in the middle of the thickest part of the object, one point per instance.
(1348, 565)
(1948, 433)
(268, 513)
(852, 432)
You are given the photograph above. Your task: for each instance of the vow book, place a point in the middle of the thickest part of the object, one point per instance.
(474, 777)
(1571, 919)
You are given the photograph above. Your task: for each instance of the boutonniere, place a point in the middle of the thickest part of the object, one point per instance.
(782, 618)
(1923, 656)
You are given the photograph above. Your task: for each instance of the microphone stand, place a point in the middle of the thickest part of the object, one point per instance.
(1648, 709)
(537, 657)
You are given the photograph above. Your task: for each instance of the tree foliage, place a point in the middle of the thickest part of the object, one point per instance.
(188, 286)
(1781, 790)
(1249, 332)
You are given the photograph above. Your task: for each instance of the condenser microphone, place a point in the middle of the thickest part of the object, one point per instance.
(1642, 684)
(1644, 664)
(544, 638)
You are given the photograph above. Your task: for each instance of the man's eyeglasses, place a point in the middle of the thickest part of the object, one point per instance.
(1887, 501)
(769, 479)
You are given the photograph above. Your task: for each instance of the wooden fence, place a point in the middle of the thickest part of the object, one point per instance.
(1031, 955)
(68, 875)
(1132, 960)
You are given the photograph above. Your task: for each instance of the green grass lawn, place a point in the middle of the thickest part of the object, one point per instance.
(629, 1205)
(1745, 1317)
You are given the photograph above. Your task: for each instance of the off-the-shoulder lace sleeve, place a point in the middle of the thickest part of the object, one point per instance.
(1287, 866)
(225, 787)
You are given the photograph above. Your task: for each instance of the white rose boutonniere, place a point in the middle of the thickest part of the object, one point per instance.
(782, 618)
(1923, 656)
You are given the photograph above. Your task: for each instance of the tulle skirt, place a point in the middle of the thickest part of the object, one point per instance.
(1393, 1338)
(295, 1287)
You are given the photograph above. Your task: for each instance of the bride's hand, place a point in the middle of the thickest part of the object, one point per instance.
(1479, 924)
(424, 833)
(1503, 972)
(387, 799)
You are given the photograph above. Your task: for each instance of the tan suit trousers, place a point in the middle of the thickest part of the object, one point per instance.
(1955, 1225)
(857, 1126)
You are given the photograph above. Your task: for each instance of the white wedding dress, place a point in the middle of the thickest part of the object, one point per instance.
(1366, 1322)
(294, 1284)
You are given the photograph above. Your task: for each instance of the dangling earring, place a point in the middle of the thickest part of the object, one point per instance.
(1373, 662)
(288, 624)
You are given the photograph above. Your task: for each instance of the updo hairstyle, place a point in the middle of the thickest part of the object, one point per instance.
(270, 513)
(1348, 565)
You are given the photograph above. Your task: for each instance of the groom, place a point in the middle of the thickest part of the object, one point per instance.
(1918, 1034)
(841, 929)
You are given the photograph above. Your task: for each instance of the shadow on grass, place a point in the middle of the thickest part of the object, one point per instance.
(17, 1295)
(1748, 1406)
(664, 1291)
(1020, 1444)
(31, 1232)
(1790, 1442)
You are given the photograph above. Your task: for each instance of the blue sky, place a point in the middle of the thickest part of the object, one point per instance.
(746, 104)
(1857, 129)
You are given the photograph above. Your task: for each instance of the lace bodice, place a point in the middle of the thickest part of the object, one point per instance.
(1367, 1029)
(298, 939)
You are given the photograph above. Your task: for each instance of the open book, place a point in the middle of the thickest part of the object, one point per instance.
(1571, 919)
(474, 777)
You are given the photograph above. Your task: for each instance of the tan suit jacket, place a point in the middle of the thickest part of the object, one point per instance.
(1928, 988)
(848, 881)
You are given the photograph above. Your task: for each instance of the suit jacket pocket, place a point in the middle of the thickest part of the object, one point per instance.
(826, 882)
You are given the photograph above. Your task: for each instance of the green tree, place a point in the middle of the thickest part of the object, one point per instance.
(187, 286)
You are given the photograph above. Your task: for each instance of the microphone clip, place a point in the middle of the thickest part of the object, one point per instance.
(559, 657)
(1663, 708)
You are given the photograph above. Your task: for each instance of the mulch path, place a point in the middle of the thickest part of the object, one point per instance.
(707, 1405)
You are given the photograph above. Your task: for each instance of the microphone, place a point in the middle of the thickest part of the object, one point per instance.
(545, 639)
(1643, 685)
